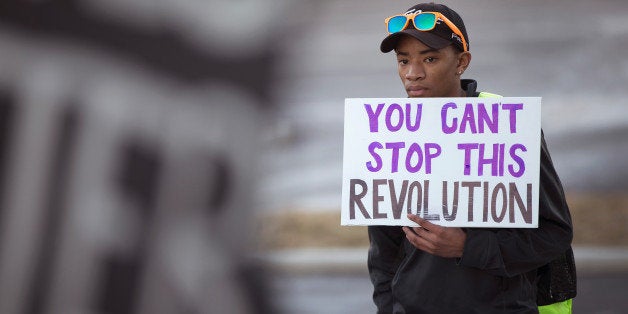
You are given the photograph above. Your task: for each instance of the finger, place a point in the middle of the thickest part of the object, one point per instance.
(417, 241)
(410, 234)
(414, 238)
(426, 224)
(421, 230)
(416, 233)
(425, 234)
(414, 218)
(409, 230)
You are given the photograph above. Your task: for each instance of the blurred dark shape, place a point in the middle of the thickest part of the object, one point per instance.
(127, 162)
(138, 173)
(54, 212)
(7, 118)
(163, 49)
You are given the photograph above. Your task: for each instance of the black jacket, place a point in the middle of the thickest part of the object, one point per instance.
(498, 272)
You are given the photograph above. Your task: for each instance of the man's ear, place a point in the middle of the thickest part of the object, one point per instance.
(464, 59)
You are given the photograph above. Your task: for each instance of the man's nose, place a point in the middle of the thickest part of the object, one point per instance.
(415, 72)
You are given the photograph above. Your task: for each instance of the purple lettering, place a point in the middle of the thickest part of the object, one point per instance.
(513, 115)
(414, 149)
(389, 114)
(395, 146)
(373, 116)
(467, 147)
(502, 150)
(468, 118)
(483, 118)
(518, 160)
(492, 161)
(443, 115)
(377, 158)
(417, 117)
(432, 150)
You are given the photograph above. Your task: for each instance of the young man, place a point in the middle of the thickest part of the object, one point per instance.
(434, 269)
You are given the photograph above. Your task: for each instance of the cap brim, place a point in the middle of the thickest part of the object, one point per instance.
(433, 41)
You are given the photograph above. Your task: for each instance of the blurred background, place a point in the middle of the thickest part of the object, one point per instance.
(161, 156)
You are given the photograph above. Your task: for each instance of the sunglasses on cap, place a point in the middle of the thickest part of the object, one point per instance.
(423, 21)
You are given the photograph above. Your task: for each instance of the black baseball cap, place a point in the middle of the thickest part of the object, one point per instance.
(439, 37)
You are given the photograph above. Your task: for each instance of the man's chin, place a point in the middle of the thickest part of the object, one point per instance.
(416, 93)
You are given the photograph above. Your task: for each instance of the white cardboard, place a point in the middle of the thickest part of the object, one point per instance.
(517, 139)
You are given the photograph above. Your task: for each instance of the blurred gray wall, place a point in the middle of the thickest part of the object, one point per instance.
(128, 154)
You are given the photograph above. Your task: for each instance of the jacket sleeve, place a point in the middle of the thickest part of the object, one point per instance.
(509, 252)
(385, 255)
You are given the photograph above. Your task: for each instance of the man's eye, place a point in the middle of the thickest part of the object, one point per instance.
(402, 61)
(430, 59)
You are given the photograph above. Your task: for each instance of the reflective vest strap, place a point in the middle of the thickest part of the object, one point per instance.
(488, 95)
(563, 307)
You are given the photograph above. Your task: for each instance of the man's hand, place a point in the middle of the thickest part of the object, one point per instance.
(434, 239)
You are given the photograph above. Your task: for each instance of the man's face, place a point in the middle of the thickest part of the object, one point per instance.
(427, 72)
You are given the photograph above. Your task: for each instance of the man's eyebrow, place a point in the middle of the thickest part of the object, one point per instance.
(430, 50)
(422, 52)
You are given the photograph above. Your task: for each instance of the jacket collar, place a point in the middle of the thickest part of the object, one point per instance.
(469, 86)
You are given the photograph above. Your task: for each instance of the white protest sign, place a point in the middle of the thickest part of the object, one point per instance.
(464, 162)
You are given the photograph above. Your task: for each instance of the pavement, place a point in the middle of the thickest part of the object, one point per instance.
(589, 259)
(335, 280)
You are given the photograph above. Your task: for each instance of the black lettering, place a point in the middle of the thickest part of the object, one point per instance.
(454, 206)
(415, 185)
(426, 198)
(471, 186)
(357, 199)
(499, 187)
(397, 203)
(377, 198)
(514, 196)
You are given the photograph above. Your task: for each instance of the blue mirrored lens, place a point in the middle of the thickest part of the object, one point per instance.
(396, 24)
(425, 21)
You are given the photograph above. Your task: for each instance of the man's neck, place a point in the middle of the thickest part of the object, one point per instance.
(469, 87)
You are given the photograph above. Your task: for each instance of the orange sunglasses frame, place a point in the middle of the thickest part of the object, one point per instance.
(410, 17)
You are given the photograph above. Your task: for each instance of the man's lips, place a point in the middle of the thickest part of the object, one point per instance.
(415, 91)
